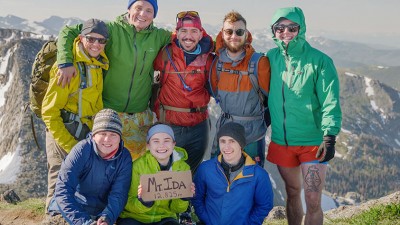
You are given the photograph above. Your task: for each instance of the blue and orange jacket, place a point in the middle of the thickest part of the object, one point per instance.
(236, 94)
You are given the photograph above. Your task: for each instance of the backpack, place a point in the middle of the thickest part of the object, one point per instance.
(40, 76)
(252, 71)
(44, 61)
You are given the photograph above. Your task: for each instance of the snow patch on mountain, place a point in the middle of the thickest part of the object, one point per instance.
(3, 71)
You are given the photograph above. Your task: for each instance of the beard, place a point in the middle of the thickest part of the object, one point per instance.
(235, 49)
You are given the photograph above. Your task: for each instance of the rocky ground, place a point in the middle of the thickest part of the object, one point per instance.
(30, 217)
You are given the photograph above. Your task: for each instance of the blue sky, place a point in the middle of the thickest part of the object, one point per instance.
(338, 19)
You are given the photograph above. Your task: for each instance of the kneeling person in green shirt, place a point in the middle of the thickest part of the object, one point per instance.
(162, 155)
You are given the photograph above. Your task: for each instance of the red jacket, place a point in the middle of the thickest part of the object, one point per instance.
(195, 76)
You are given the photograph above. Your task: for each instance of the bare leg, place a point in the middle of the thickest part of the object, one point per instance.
(292, 179)
(314, 181)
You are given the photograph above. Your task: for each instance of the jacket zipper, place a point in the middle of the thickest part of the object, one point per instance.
(133, 73)
(227, 180)
(284, 100)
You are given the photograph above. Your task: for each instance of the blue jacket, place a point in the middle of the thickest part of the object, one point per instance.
(90, 186)
(247, 200)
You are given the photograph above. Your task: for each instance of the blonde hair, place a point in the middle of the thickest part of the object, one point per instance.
(234, 16)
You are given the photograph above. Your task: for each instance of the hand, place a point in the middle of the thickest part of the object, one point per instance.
(65, 75)
(139, 191)
(193, 188)
(327, 149)
(102, 221)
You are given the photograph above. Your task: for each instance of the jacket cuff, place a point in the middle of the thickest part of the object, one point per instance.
(63, 65)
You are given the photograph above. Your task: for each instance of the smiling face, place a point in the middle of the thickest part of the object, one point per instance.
(93, 49)
(141, 14)
(161, 146)
(230, 149)
(233, 42)
(286, 34)
(106, 142)
(189, 37)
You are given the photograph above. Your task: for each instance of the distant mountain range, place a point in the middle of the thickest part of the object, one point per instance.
(382, 64)
(368, 148)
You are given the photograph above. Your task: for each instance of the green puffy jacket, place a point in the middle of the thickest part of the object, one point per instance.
(127, 83)
(304, 89)
(161, 209)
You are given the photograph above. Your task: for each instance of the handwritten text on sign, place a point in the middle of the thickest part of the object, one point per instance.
(166, 185)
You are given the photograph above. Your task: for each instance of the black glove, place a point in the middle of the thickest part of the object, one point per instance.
(327, 149)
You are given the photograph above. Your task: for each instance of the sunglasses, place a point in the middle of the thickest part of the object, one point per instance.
(183, 14)
(280, 28)
(92, 40)
(238, 32)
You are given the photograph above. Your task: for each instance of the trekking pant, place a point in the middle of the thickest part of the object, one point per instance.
(134, 131)
(194, 140)
(55, 156)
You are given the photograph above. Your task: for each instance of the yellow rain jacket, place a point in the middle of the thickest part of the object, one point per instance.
(67, 98)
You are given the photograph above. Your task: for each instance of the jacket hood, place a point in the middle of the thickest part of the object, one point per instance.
(179, 154)
(296, 15)
(219, 45)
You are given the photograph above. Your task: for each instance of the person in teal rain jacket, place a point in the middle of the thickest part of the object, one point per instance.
(132, 46)
(305, 114)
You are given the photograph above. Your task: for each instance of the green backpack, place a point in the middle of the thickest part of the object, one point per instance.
(44, 60)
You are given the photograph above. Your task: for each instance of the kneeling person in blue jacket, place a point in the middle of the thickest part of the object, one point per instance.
(94, 179)
(232, 188)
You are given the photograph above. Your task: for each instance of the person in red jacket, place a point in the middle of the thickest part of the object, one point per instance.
(183, 97)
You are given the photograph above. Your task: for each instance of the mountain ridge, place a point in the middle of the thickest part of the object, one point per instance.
(368, 138)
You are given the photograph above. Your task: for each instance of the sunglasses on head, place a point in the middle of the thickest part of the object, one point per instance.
(280, 28)
(238, 32)
(92, 40)
(183, 14)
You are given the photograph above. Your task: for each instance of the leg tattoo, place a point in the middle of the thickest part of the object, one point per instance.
(312, 179)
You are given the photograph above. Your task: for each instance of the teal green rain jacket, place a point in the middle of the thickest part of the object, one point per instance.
(304, 89)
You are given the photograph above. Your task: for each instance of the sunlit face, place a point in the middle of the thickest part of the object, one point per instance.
(161, 146)
(141, 14)
(230, 149)
(106, 142)
(233, 42)
(189, 37)
(93, 49)
(286, 36)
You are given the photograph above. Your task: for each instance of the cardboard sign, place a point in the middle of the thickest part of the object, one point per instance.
(166, 185)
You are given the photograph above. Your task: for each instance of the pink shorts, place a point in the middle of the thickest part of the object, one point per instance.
(291, 156)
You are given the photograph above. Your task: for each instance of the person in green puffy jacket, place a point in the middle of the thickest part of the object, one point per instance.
(162, 155)
(305, 114)
(133, 45)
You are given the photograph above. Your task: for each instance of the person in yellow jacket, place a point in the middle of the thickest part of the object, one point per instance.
(67, 111)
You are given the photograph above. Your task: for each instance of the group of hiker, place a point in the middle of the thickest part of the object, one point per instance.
(103, 131)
